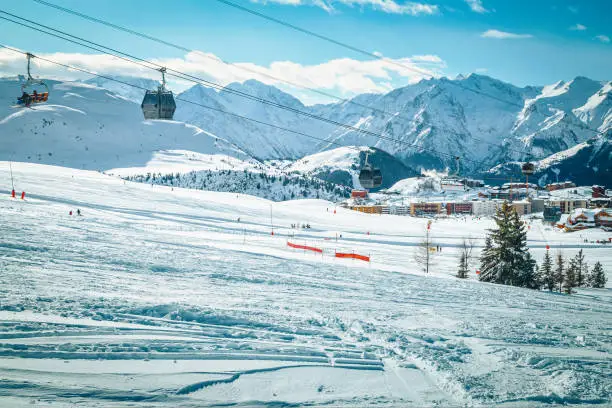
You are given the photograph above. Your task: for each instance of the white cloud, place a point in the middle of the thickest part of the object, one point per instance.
(387, 6)
(603, 38)
(578, 27)
(476, 6)
(502, 35)
(344, 77)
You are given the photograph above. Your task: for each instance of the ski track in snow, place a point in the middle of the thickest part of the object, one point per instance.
(158, 297)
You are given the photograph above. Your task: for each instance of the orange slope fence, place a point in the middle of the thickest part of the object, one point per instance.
(304, 247)
(353, 256)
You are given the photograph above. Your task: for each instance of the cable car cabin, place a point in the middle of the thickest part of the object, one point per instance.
(528, 168)
(158, 105)
(370, 177)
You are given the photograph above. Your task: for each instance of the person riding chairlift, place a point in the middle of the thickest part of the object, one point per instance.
(25, 99)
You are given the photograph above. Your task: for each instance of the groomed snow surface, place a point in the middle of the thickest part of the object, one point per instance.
(160, 297)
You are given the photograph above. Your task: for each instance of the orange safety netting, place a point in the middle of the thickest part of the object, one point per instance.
(304, 247)
(353, 256)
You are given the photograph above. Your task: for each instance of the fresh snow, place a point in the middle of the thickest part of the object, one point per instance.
(160, 297)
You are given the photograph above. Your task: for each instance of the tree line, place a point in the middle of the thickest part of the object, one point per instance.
(505, 259)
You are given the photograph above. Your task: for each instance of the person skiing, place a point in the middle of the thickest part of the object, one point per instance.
(70, 213)
(78, 212)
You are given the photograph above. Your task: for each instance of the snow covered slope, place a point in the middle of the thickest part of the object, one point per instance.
(159, 298)
(83, 126)
(586, 163)
(342, 165)
(480, 119)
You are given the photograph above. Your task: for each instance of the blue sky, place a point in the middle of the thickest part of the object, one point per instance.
(523, 42)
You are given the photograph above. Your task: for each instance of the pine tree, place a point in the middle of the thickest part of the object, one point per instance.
(527, 275)
(580, 264)
(539, 280)
(462, 272)
(548, 275)
(560, 270)
(505, 258)
(569, 280)
(598, 279)
(488, 262)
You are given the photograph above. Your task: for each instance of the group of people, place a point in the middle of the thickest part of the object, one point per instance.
(306, 226)
(27, 99)
(78, 212)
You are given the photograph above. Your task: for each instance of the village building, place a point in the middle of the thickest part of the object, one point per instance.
(583, 218)
(459, 208)
(560, 186)
(425, 208)
(567, 205)
(521, 207)
(485, 208)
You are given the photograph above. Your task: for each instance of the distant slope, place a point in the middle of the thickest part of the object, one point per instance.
(275, 187)
(342, 165)
(587, 163)
(83, 126)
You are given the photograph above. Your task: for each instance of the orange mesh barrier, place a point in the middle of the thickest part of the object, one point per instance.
(353, 256)
(304, 247)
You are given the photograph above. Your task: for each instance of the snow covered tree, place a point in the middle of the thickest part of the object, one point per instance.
(569, 280)
(487, 261)
(548, 275)
(463, 270)
(559, 270)
(526, 274)
(580, 266)
(597, 278)
(505, 258)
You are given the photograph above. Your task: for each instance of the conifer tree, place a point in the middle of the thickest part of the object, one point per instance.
(559, 270)
(597, 279)
(569, 280)
(488, 262)
(580, 264)
(548, 275)
(505, 258)
(462, 272)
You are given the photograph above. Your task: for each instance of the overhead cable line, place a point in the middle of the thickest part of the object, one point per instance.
(373, 55)
(197, 80)
(213, 58)
(212, 108)
(216, 59)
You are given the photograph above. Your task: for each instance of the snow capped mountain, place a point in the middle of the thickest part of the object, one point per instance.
(597, 111)
(123, 89)
(482, 120)
(586, 163)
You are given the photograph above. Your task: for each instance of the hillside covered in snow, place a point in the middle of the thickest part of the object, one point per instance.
(485, 122)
